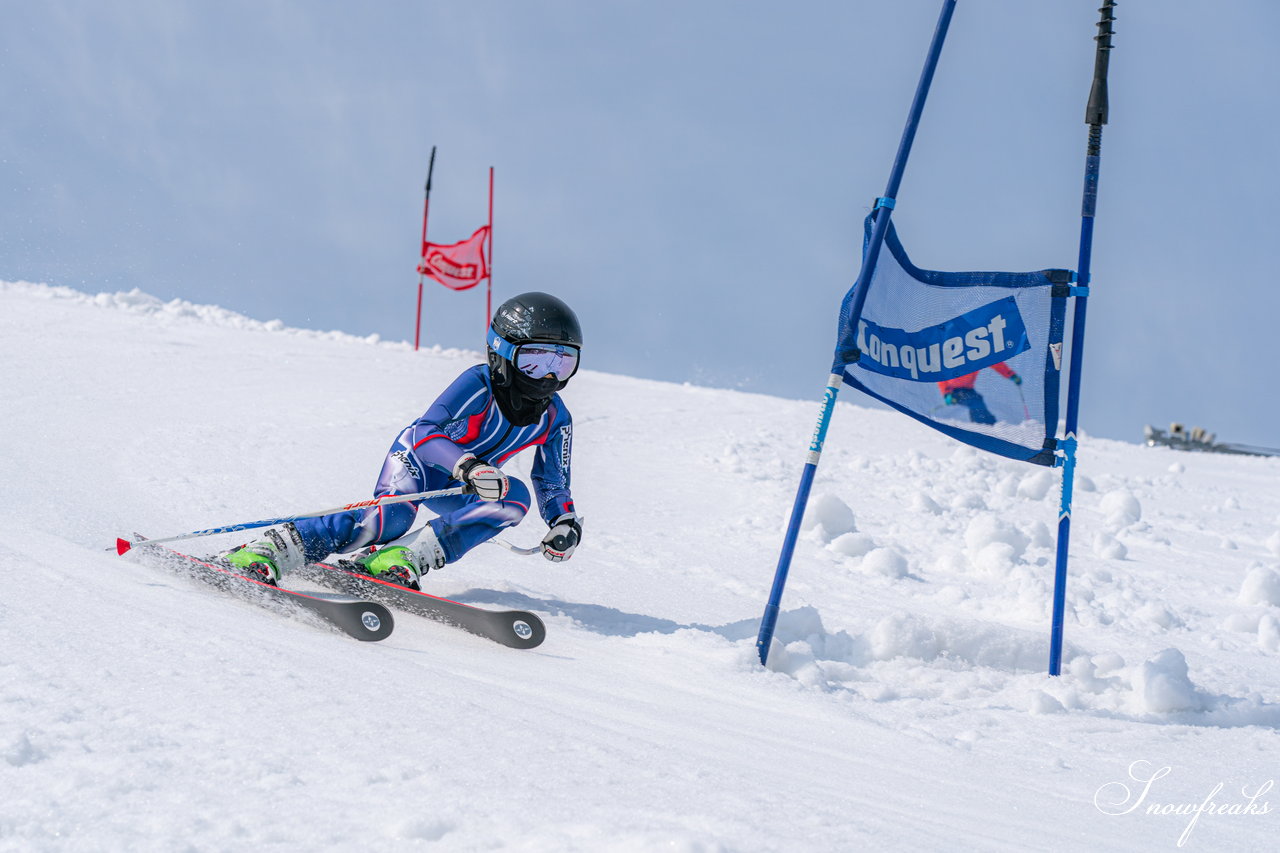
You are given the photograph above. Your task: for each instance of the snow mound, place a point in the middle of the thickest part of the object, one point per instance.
(852, 544)
(903, 656)
(1164, 685)
(1121, 508)
(829, 516)
(1261, 586)
(886, 562)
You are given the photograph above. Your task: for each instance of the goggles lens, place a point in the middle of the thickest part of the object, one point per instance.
(538, 361)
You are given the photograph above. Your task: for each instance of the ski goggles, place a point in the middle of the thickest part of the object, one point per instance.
(538, 360)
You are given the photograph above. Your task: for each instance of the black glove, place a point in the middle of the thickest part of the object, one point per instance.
(562, 538)
(1015, 379)
(480, 478)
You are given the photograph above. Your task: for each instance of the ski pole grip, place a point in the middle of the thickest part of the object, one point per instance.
(1095, 113)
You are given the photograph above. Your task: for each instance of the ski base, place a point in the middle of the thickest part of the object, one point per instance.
(367, 621)
(517, 629)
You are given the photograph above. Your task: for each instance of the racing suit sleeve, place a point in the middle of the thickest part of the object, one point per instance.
(551, 468)
(435, 437)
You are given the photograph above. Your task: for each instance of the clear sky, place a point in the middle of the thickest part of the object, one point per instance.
(690, 176)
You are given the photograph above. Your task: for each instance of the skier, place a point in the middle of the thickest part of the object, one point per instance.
(490, 413)
(960, 392)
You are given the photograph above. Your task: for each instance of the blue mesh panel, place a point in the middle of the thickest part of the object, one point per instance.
(936, 346)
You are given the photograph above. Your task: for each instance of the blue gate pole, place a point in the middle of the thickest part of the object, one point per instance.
(884, 209)
(1095, 117)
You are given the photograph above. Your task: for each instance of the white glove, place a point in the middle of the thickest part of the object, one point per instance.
(480, 478)
(562, 538)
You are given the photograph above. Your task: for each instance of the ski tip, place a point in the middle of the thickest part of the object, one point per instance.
(122, 546)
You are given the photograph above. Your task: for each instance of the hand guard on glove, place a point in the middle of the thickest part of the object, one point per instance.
(562, 538)
(480, 478)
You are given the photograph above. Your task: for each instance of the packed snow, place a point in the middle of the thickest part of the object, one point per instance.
(906, 705)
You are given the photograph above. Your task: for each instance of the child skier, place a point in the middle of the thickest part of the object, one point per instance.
(960, 392)
(489, 414)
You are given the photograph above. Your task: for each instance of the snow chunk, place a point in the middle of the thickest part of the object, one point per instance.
(1244, 623)
(1109, 547)
(1273, 543)
(969, 500)
(995, 559)
(830, 516)
(1261, 586)
(1040, 535)
(1165, 685)
(921, 502)
(800, 639)
(1158, 614)
(22, 751)
(1109, 662)
(987, 529)
(424, 829)
(1035, 486)
(1008, 486)
(1043, 703)
(951, 561)
(1084, 675)
(852, 544)
(1269, 633)
(1121, 508)
(887, 562)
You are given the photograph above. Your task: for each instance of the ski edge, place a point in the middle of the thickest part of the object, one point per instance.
(366, 621)
(517, 629)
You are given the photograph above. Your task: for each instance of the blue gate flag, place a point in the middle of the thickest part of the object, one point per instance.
(977, 355)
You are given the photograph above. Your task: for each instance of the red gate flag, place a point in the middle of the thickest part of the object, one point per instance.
(457, 266)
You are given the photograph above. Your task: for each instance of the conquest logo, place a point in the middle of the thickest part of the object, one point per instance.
(962, 345)
(824, 420)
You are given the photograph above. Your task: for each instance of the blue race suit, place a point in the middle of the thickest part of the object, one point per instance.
(464, 419)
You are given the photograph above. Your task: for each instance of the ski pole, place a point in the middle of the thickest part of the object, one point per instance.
(123, 545)
(426, 207)
(514, 548)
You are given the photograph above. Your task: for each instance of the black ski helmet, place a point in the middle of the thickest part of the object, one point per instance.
(528, 318)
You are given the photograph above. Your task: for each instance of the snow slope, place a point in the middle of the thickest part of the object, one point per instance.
(906, 706)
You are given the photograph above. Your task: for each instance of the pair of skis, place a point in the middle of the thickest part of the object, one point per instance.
(365, 617)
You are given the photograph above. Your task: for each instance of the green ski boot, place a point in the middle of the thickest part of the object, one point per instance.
(394, 564)
(269, 557)
(406, 563)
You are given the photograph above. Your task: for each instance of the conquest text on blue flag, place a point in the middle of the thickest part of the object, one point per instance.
(974, 340)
